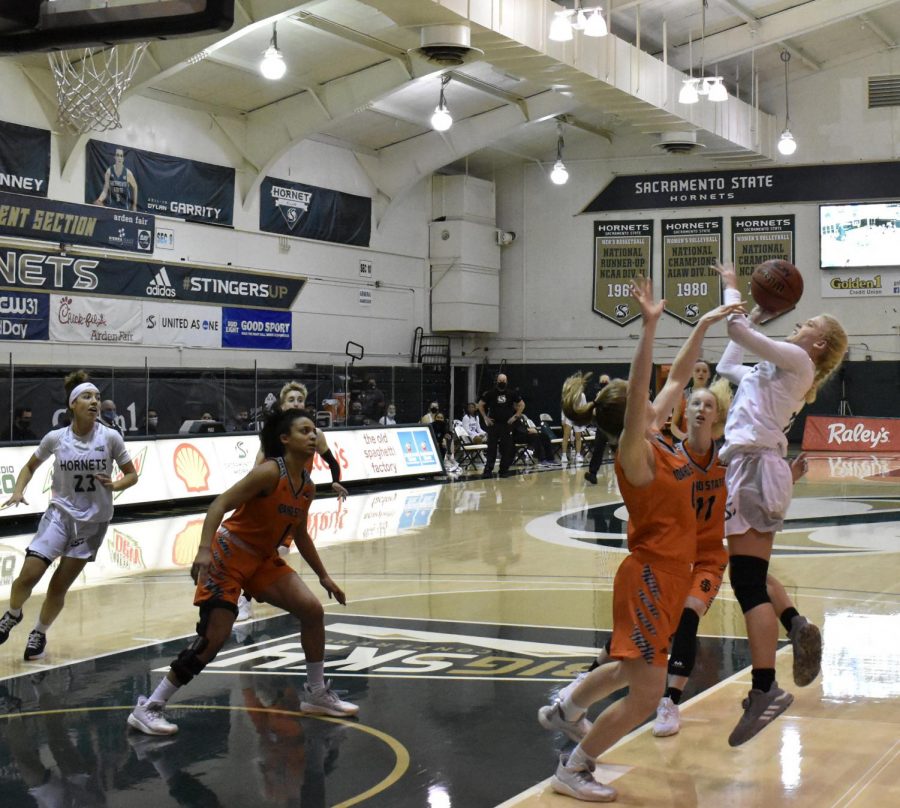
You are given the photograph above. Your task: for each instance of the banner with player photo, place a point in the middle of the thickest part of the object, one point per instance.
(145, 279)
(68, 223)
(305, 211)
(120, 177)
(24, 159)
(622, 250)
(759, 238)
(691, 286)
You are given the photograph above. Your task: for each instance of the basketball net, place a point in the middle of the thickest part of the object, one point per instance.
(90, 87)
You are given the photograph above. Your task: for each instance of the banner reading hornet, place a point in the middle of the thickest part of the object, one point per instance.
(24, 159)
(65, 222)
(622, 250)
(691, 286)
(37, 270)
(760, 238)
(131, 179)
(305, 211)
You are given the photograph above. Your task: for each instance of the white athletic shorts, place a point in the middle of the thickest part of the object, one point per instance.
(759, 487)
(575, 427)
(59, 534)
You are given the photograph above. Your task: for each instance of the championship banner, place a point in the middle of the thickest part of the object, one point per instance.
(861, 282)
(32, 270)
(24, 316)
(305, 211)
(24, 159)
(749, 186)
(256, 328)
(756, 239)
(622, 250)
(65, 222)
(95, 319)
(131, 179)
(172, 324)
(842, 433)
(691, 286)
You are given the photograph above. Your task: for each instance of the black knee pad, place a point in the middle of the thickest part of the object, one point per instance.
(748, 580)
(684, 644)
(188, 664)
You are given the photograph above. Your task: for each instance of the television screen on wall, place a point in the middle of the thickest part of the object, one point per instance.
(859, 235)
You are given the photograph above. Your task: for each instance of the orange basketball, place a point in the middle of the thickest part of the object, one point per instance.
(776, 285)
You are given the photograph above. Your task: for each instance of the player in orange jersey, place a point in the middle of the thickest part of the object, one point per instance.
(271, 502)
(651, 583)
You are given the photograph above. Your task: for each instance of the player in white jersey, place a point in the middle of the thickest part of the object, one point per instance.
(759, 480)
(81, 505)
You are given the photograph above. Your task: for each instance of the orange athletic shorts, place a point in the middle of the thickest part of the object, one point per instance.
(235, 567)
(709, 570)
(647, 605)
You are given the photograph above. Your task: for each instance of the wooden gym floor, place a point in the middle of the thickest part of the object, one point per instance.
(469, 604)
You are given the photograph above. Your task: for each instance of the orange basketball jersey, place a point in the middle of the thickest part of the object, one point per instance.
(266, 521)
(661, 520)
(708, 497)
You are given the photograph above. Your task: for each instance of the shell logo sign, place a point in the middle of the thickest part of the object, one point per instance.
(187, 540)
(191, 467)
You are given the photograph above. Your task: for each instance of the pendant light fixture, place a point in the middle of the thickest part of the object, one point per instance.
(560, 174)
(709, 87)
(786, 143)
(272, 65)
(589, 21)
(442, 120)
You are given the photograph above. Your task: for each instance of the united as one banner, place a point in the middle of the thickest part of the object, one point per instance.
(622, 250)
(174, 324)
(24, 159)
(132, 179)
(305, 211)
(691, 286)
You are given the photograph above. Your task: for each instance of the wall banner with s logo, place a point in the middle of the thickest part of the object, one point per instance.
(622, 251)
(24, 316)
(174, 324)
(690, 285)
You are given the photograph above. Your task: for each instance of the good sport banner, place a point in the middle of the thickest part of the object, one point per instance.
(131, 179)
(759, 238)
(622, 250)
(691, 286)
(849, 434)
(750, 186)
(65, 222)
(305, 211)
(24, 316)
(36, 270)
(24, 159)
(256, 328)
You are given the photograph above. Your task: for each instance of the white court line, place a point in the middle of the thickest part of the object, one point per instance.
(868, 777)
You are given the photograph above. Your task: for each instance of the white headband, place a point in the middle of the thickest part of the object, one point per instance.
(79, 389)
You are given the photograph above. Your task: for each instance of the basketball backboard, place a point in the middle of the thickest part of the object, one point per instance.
(45, 25)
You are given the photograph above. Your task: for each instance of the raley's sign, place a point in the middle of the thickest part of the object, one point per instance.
(848, 434)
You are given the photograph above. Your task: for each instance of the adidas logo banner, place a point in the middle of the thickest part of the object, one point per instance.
(305, 211)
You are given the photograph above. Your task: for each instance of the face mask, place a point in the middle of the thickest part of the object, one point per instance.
(434, 409)
(153, 421)
(108, 415)
(25, 422)
(392, 413)
(501, 385)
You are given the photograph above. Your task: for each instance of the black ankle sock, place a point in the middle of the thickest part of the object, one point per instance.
(786, 616)
(673, 693)
(763, 679)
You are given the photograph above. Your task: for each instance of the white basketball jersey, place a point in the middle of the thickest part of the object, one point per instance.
(75, 489)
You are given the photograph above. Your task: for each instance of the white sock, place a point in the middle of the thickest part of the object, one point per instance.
(579, 759)
(15, 612)
(570, 710)
(39, 626)
(164, 691)
(315, 675)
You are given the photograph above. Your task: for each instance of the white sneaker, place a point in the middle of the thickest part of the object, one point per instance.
(324, 701)
(580, 783)
(283, 549)
(668, 721)
(551, 717)
(579, 459)
(148, 717)
(245, 609)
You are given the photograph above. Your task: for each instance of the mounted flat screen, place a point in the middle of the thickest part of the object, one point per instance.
(859, 235)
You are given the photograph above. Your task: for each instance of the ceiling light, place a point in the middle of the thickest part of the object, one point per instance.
(442, 120)
(717, 91)
(786, 143)
(688, 94)
(559, 175)
(569, 20)
(711, 87)
(272, 65)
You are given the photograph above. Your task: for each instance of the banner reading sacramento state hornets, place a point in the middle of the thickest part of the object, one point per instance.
(757, 239)
(305, 211)
(24, 159)
(132, 179)
(691, 286)
(622, 250)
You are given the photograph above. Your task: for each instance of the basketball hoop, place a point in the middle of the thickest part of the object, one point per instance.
(89, 88)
